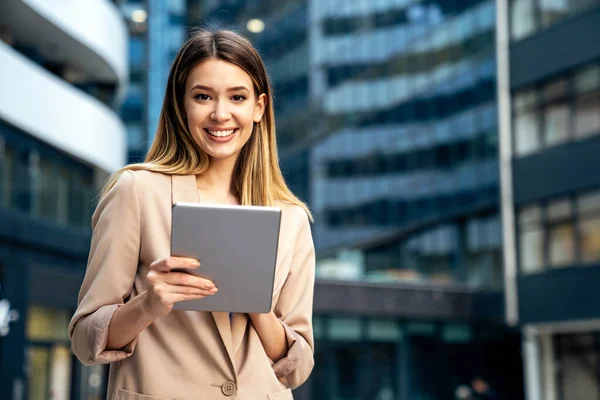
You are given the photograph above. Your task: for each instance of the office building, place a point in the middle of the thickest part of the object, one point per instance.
(134, 108)
(387, 124)
(156, 31)
(549, 74)
(64, 75)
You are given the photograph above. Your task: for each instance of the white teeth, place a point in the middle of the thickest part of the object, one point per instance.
(220, 133)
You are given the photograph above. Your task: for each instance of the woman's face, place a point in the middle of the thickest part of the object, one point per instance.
(221, 108)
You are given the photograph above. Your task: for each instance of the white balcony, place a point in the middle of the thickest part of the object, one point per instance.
(43, 105)
(89, 35)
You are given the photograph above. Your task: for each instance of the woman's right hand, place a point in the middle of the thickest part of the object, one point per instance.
(167, 285)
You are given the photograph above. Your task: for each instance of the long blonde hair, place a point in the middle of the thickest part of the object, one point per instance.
(257, 176)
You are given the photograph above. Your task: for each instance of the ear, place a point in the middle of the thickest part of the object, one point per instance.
(259, 108)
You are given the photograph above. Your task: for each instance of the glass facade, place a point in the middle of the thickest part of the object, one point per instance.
(530, 16)
(42, 182)
(558, 111)
(156, 30)
(410, 144)
(166, 30)
(133, 109)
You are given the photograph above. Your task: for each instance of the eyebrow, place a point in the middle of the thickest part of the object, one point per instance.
(231, 89)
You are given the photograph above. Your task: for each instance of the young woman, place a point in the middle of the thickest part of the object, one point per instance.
(215, 143)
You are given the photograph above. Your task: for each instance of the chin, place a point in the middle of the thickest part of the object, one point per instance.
(222, 155)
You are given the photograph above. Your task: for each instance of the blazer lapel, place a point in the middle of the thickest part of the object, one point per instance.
(183, 189)
(238, 328)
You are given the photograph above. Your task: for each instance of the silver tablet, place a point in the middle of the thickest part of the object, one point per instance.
(237, 249)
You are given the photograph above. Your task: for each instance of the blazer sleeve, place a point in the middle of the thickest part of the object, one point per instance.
(110, 274)
(294, 310)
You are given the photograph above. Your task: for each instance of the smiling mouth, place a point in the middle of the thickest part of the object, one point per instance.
(221, 133)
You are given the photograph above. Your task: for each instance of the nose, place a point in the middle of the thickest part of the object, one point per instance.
(221, 112)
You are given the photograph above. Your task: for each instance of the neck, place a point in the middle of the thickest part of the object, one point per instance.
(218, 180)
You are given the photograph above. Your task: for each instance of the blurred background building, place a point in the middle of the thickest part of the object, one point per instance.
(551, 141)
(64, 74)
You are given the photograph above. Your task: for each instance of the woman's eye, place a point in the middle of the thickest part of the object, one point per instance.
(238, 97)
(202, 96)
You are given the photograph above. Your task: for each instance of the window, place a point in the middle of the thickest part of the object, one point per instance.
(7, 159)
(587, 103)
(527, 135)
(525, 14)
(531, 239)
(62, 195)
(40, 181)
(562, 110)
(522, 18)
(46, 189)
(49, 359)
(561, 233)
(588, 210)
(553, 10)
(556, 113)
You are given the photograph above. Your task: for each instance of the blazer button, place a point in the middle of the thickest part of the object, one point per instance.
(228, 388)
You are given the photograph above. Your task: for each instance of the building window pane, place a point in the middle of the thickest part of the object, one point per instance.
(76, 201)
(47, 190)
(7, 160)
(344, 329)
(589, 231)
(561, 233)
(62, 195)
(522, 18)
(49, 372)
(47, 324)
(556, 124)
(560, 209)
(37, 362)
(587, 80)
(89, 200)
(553, 10)
(587, 115)
(21, 178)
(527, 135)
(588, 209)
(531, 247)
(556, 113)
(561, 244)
(531, 239)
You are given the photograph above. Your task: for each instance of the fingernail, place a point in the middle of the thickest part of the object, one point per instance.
(195, 263)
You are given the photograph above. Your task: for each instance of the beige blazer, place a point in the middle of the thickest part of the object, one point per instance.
(187, 354)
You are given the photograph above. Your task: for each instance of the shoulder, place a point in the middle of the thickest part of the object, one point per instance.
(293, 217)
(138, 185)
(144, 178)
(142, 181)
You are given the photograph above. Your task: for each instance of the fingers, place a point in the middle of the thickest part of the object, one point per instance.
(171, 263)
(177, 289)
(184, 279)
(180, 279)
(168, 295)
